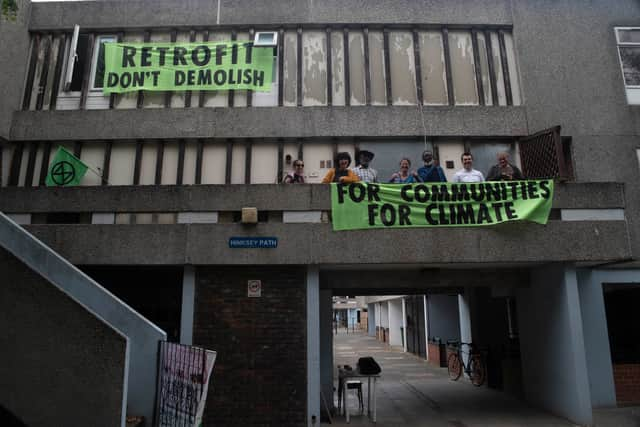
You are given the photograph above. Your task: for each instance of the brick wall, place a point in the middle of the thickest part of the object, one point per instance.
(627, 380)
(261, 369)
(434, 354)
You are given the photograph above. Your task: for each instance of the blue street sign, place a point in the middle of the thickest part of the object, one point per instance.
(253, 242)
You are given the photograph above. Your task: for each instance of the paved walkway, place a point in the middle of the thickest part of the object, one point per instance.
(412, 392)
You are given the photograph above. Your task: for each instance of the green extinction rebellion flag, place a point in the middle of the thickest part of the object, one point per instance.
(65, 170)
(363, 206)
(187, 66)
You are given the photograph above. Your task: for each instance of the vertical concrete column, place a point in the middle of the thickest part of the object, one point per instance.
(426, 324)
(596, 339)
(371, 319)
(404, 325)
(396, 322)
(313, 346)
(554, 365)
(378, 318)
(465, 316)
(326, 348)
(188, 301)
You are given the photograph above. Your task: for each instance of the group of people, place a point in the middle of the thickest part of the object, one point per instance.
(430, 172)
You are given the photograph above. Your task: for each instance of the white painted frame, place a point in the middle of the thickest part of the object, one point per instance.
(632, 91)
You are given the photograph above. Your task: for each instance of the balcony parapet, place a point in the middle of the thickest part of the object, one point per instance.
(203, 226)
(266, 197)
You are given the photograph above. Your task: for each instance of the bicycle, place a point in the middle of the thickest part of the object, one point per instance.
(474, 368)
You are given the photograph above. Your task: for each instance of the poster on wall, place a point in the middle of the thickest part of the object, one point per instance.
(183, 382)
(232, 65)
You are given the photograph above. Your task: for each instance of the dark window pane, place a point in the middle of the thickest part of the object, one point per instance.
(630, 57)
(99, 67)
(81, 60)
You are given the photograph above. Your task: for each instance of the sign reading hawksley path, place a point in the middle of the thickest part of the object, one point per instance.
(186, 66)
(363, 206)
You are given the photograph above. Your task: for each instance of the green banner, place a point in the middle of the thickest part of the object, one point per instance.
(363, 206)
(65, 170)
(187, 66)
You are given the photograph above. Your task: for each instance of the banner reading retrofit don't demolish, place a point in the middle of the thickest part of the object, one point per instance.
(362, 205)
(186, 66)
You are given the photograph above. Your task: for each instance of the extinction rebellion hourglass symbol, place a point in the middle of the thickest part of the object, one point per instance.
(62, 173)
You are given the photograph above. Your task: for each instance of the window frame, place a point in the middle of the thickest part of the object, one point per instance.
(632, 91)
(100, 38)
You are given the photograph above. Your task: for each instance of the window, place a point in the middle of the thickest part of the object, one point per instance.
(629, 53)
(97, 68)
(79, 63)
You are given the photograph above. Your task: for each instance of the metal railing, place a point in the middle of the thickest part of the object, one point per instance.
(545, 155)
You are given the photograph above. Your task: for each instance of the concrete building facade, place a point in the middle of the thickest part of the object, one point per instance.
(172, 172)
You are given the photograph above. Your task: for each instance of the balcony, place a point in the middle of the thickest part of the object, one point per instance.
(193, 225)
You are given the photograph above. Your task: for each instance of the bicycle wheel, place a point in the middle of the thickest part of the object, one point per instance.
(454, 366)
(477, 370)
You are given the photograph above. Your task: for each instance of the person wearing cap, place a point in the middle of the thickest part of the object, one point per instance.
(364, 172)
(430, 172)
(341, 173)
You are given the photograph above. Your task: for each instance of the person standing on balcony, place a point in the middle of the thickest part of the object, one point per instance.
(504, 171)
(404, 176)
(296, 176)
(468, 173)
(430, 172)
(364, 172)
(341, 173)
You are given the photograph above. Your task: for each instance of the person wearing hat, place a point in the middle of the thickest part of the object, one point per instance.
(364, 172)
(430, 172)
(341, 173)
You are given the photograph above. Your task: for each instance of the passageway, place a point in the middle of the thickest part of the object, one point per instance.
(412, 392)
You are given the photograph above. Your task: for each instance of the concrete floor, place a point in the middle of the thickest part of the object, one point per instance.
(412, 392)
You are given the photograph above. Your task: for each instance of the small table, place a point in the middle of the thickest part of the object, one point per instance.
(343, 376)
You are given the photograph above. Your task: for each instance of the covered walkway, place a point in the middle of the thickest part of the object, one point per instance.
(412, 392)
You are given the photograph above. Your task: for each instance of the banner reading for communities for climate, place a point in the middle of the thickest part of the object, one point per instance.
(362, 205)
(187, 66)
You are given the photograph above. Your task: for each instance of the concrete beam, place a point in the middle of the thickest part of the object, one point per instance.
(181, 244)
(203, 198)
(268, 122)
(205, 13)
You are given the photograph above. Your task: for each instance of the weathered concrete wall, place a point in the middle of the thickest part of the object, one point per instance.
(570, 75)
(167, 13)
(554, 365)
(59, 365)
(14, 56)
(143, 336)
(596, 338)
(196, 198)
(318, 243)
(268, 122)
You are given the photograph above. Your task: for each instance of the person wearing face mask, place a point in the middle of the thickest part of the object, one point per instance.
(504, 171)
(341, 173)
(430, 172)
(468, 173)
(364, 172)
(404, 175)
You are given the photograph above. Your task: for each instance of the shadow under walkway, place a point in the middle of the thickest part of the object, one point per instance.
(412, 392)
